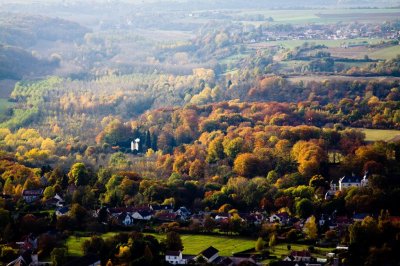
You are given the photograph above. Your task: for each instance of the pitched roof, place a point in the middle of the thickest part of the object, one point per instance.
(209, 252)
(304, 253)
(166, 216)
(63, 210)
(350, 179)
(32, 192)
(172, 253)
(145, 213)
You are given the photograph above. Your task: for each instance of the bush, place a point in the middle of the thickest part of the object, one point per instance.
(8, 253)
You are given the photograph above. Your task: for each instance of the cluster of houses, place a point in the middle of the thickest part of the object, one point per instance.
(327, 32)
(127, 216)
(209, 255)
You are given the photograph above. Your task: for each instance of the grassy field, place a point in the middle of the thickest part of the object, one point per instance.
(322, 16)
(193, 244)
(74, 243)
(386, 53)
(380, 134)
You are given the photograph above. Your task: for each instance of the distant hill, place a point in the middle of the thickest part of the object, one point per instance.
(25, 30)
(16, 63)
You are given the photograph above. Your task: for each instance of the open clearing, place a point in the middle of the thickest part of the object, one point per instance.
(380, 134)
(193, 244)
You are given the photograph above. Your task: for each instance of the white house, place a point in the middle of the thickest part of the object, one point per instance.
(353, 181)
(281, 218)
(183, 212)
(125, 219)
(62, 211)
(175, 257)
(142, 215)
(210, 254)
(304, 256)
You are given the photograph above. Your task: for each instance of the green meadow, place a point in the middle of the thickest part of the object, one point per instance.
(193, 244)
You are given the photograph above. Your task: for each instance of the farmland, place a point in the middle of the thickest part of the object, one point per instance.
(323, 16)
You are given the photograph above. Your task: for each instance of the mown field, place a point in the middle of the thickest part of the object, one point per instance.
(385, 53)
(380, 134)
(322, 16)
(193, 244)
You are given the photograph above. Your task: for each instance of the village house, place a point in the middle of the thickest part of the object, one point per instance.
(55, 201)
(166, 216)
(165, 208)
(183, 212)
(353, 181)
(282, 218)
(175, 258)
(210, 254)
(125, 219)
(304, 256)
(28, 258)
(32, 195)
(222, 217)
(142, 215)
(252, 218)
(62, 211)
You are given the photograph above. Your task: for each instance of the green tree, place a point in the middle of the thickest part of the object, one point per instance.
(272, 177)
(59, 256)
(304, 208)
(310, 228)
(4, 219)
(49, 192)
(173, 241)
(119, 160)
(260, 244)
(78, 174)
(215, 150)
(233, 147)
(78, 213)
(272, 241)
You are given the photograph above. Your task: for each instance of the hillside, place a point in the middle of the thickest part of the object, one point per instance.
(16, 63)
(25, 30)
